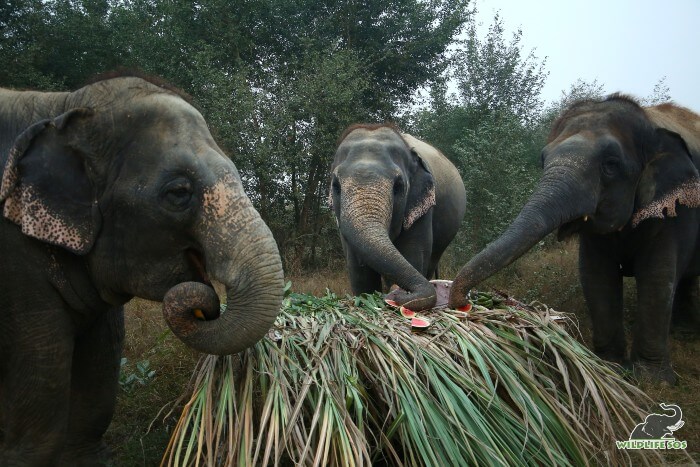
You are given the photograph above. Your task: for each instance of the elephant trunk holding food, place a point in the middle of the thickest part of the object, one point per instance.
(109, 192)
(626, 180)
(398, 202)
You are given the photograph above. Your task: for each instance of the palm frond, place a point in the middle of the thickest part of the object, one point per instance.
(347, 382)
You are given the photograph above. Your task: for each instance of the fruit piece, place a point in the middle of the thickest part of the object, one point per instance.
(419, 323)
(406, 313)
(466, 308)
(442, 292)
(390, 302)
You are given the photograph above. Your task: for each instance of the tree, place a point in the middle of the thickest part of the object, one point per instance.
(660, 94)
(495, 76)
(489, 129)
(278, 80)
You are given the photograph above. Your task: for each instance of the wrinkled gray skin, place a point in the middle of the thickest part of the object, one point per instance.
(113, 191)
(658, 426)
(626, 179)
(399, 202)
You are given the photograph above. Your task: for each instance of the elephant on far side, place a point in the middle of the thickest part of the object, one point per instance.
(625, 179)
(399, 203)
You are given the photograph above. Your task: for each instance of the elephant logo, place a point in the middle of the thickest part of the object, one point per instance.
(656, 431)
(659, 426)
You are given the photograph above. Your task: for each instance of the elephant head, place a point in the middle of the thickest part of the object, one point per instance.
(606, 168)
(131, 182)
(379, 187)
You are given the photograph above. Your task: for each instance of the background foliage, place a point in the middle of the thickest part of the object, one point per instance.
(279, 80)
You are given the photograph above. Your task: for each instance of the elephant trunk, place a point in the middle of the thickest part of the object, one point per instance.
(558, 199)
(365, 217)
(240, 252)
(674, 421)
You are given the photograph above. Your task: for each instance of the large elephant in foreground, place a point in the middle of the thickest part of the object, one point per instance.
(626, 179)
(109, 192)
(399, 202)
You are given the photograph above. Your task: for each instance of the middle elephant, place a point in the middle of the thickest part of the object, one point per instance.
(398, 202)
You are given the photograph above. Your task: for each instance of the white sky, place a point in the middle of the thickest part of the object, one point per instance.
(627, 45)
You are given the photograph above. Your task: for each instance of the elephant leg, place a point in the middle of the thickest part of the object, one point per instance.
(656, 274)
(685, 318)
(601, 281)
(650, 347)
(35, 394)
(363, 279)
(94, 384)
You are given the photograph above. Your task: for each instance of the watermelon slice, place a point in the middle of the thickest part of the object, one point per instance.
(406, 313)
(466, 308)
(442, 292)
(419, 323)
(390, 302)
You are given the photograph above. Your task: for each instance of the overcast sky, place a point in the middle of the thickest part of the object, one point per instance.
(627, 45)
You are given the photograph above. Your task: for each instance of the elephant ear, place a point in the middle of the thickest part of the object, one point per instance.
(45, 186)
(669, 177)
(421, 195)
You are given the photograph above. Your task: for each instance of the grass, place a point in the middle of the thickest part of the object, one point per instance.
(347, 382)
(142, 426)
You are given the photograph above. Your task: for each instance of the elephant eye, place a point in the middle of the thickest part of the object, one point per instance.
(178, 193)
(611, 166)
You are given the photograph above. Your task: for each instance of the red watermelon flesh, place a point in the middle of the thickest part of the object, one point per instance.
(406, 313)
(419, 323)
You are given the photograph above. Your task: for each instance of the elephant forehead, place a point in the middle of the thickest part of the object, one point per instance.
(168, 120)
(381, 133)
(364, 143)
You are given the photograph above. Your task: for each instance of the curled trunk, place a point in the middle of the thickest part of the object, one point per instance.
(241, 253)
(674, 421)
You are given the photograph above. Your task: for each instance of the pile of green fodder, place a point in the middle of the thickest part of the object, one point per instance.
(348, 382)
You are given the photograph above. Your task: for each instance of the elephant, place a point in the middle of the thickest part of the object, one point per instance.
(625, 179)
(113, 191)
(398, 203)
(659, 426)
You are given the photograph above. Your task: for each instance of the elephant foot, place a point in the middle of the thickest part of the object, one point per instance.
(612, 357)
(645, 370)
(612, 353)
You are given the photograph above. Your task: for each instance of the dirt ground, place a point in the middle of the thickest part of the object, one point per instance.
(145, 415)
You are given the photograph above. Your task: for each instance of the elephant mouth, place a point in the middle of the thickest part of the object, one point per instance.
(569, 229)
(197, 263)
